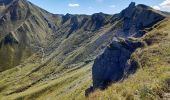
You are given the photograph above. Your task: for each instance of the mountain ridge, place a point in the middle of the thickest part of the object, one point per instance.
(51, 52)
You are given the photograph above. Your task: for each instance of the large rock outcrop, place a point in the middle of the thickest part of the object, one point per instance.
(38, 47)
(112, 65)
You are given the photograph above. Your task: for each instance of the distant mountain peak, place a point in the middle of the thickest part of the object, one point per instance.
(139, 17)
(134, 9)
(66, 17)
(132, 5)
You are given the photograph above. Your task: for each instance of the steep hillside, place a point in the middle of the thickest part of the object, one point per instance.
(148, 65)
(50, 56)
(23, 31)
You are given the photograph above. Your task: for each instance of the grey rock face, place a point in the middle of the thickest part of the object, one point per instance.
(112, 64)
(66, 17)
(74, 26)
(99, 19)
(128, 12)
(137, 18)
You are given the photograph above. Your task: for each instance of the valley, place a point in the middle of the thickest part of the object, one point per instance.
(45, 56)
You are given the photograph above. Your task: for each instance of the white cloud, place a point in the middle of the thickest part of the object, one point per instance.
(112, 6)
(156, 7)
(74, 5)
(165, 4)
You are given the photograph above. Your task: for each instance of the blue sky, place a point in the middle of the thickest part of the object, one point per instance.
(95, 6)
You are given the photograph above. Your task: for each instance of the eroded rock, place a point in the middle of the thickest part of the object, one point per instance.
(111, 65)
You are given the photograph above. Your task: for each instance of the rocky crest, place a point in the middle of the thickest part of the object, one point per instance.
(137, 18)
(38, 47)
(99, 20)
(114, 64)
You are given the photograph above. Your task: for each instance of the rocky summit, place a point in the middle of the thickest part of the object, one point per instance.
(58, 57)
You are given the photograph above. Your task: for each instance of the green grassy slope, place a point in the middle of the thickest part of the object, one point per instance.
(53, 63)
(38, 81)
(69, 84)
